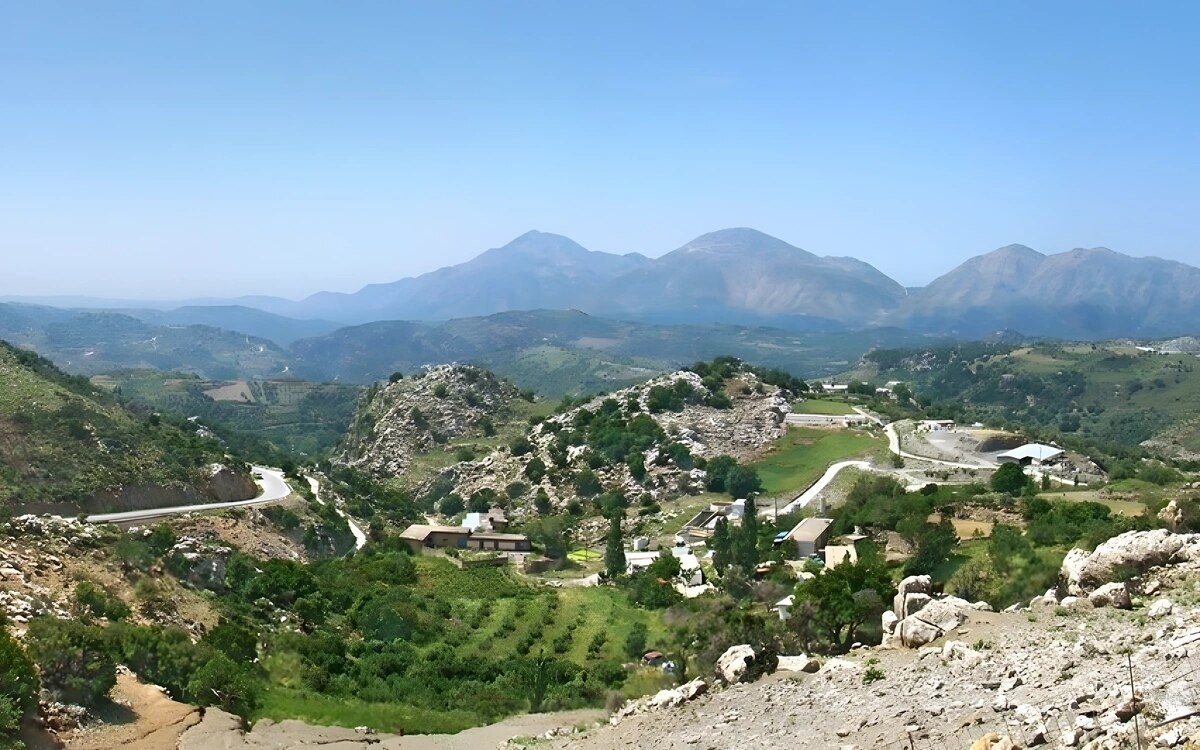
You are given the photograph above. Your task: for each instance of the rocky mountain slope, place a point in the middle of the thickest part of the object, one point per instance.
(410, 416)
(630, 442)
(745, 276)
(67, 445)
(1055, 673)
(1084, 293)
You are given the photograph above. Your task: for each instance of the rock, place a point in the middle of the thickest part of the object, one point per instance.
(915, 632)
(731, 666)
(1134, 550)
(801, 663)
(1160, 608)
(913, 603)
(1171, 737)
(993, 741)
(889, 621)
(1115, 594)
(943, 614)
(910, 585)
(1171, 515)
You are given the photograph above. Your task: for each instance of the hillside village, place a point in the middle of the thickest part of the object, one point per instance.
(686, 529)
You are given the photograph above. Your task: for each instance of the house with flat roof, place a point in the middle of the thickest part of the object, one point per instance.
(690, 572)
(493, 540)
(421, 535)
(810, 535)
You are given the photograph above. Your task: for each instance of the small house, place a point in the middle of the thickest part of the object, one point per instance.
(421, 535)
(492, 540)
(1030, 453)
(810, 535)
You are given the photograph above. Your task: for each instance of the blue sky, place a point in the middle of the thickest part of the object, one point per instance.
(153, 149)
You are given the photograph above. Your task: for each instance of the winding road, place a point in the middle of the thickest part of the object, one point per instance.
(360, 539)
(271, 481)
(807, 496)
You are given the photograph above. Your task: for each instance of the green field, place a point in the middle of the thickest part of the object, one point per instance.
(281, 703)
(822, 406)
(804, 453)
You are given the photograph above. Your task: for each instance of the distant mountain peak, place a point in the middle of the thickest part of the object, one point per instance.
(740, 241)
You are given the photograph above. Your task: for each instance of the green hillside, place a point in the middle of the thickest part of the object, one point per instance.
(63, 439)
(1107, 395)
(267, 420)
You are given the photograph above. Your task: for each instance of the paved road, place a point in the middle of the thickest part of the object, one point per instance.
(360, 539)
(273, 485)
(807, 496)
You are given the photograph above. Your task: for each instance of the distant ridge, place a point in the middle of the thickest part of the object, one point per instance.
(740, 276)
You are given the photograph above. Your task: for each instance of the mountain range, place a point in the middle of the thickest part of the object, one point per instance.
(739, 287)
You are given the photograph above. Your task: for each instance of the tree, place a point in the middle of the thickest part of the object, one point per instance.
(18, 683)
(717, 470)
(1010, 479)
(934, 544)
(742, 481)
(587, 484)
(549, 532)
(535, 469)
(745, 540)
(222, 682)
(635, 642)
(842, 598)
(396, 377)
(76, 663)
(614, 551)
(722, 546)
(451, 505)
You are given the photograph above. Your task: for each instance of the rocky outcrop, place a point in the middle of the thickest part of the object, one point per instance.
(414, 415)
(733, 664)
(1128, 554)
(752, 422)
(916, 618)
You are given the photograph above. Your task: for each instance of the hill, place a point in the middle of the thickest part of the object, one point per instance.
(1110, 395)
(64, 442)
(94, 342)
(264, 420)
(555, 352)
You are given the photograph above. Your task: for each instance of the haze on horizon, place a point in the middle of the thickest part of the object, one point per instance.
(159, 151)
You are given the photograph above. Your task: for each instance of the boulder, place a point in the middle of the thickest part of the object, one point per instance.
(910, 585)
(1115, 595)
(1134, 551)
(915, 632)
(1160, 608)
(913, 603)
(889, 621)
(945, 615)
(801, 663)
(1171, 515)
(732, 665)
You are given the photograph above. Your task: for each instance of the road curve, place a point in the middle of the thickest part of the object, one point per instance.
(273, 486)
(807, 496)
(360, 539)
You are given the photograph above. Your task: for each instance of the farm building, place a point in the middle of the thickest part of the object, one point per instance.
(1030, 453)
(810, 535)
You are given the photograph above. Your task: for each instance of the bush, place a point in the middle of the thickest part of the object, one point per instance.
(18, 683)
(93, 602)
(75, 660)
(221, 682)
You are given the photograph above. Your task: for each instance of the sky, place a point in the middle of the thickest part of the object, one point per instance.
(159, 150)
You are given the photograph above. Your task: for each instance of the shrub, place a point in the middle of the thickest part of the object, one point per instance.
(75, 661)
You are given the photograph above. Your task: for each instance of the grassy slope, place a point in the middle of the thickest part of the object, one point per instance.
(804, 453)
(62, 439)
(822, 406)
